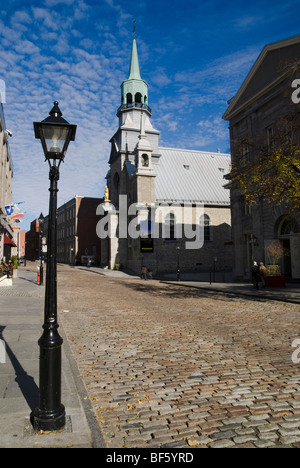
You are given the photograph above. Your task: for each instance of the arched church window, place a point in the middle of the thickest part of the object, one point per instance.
(169, 226)
(288, 226)
(129, 98)
(145, 160)
(205, 224)
(138, 99)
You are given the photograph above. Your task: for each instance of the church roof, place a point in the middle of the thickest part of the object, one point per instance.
(191, 176)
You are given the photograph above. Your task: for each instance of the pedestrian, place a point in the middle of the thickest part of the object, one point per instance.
(262, 272)
(255, 275)
(149, 273)
(144, 272)
(10, 272)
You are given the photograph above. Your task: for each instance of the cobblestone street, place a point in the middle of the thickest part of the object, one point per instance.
(168, 366)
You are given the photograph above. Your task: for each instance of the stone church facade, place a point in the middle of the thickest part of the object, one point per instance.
(165, 208)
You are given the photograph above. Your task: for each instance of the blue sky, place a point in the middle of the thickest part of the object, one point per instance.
(193, 54)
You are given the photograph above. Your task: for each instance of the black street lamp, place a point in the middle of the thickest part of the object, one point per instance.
(55, 134)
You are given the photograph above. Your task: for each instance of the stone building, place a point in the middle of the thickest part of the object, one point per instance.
(6, 176)
(167, 207)
(263, 98)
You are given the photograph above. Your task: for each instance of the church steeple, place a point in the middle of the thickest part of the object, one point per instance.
(134, 90)
(134, 70)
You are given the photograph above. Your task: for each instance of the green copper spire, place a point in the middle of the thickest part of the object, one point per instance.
(134, 90)
(134, 70)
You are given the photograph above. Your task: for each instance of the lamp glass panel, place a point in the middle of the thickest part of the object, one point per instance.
(55, 137)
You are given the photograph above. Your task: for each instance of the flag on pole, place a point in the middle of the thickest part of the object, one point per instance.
(12, 208)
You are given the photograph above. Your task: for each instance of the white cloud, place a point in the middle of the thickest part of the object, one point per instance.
(212, 128)
(78, 53)
(21, 17)
(26, 47)
(221, 77)
(44, 63)
(56, 2)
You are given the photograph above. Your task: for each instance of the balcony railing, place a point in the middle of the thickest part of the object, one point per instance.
(135, 105)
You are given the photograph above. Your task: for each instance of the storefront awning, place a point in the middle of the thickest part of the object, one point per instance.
(8, 241)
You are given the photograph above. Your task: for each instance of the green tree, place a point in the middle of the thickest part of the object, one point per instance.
(270, 170)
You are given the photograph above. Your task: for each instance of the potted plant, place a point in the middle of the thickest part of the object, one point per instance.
(14, 259)
(275, 252)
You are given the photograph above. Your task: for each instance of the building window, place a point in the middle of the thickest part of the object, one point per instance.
(169, 227)
(145, 160)
(288, 226)
(205, 223)
(245, 155)
(129, 99)
(138, 99)
(146, 236)
(247, 207)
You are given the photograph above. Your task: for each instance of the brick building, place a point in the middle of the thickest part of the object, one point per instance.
(77, 240)
(32, 239)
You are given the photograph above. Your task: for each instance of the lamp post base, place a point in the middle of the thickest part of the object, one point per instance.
(49, 421)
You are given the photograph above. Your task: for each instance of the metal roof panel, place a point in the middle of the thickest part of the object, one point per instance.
(191, 176)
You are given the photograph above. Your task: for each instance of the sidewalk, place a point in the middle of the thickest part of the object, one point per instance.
(290, 293)
(21, 318)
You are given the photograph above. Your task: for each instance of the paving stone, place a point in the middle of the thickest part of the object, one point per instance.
(290, 439)
(174, 356)
(223, 435)
(234, 420)
(262, 443)
(268, 435)
(290, 425)
(289, 432)
(244, 438)
(258, 417)
(223, 443)
(268, 428)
